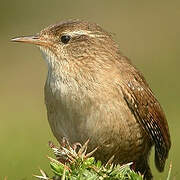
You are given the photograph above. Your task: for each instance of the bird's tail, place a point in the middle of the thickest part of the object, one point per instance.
(160, 159)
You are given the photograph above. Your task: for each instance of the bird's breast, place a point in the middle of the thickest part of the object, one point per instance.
(62, 106)
(78, 116)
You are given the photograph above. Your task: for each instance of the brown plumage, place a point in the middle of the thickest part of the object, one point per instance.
(93, 91)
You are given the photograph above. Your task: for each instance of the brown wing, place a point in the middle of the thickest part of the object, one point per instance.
(149, 113)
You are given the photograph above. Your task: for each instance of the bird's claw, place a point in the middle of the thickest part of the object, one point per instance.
(68, 153)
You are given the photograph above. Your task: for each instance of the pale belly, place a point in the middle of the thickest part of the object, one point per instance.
(109, 124)
(114, 134)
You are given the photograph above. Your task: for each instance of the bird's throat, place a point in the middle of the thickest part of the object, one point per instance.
(59, 79)
(50, 58)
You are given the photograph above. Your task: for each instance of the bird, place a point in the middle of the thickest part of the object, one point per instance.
(94, 91)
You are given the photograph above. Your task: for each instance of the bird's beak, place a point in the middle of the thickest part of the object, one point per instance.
(31, 40)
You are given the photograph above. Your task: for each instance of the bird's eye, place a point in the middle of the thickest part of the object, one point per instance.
(65, 39)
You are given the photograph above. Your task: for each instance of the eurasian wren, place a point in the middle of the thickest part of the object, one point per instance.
(93, 91)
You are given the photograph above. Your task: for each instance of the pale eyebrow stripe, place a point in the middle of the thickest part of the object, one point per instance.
(79, 32)
(82, 32)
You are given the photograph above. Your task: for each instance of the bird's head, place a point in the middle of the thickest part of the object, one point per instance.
(74, 42)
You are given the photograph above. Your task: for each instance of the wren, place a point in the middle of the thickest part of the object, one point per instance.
(93, 91)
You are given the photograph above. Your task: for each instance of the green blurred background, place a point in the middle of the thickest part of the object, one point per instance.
(148, 32)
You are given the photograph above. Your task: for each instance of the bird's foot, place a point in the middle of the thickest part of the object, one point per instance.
(69, 153)
(65, 143)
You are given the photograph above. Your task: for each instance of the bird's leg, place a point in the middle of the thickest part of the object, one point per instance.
(133, 166)
(65, 143)
(76, 145)
(68, 154)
